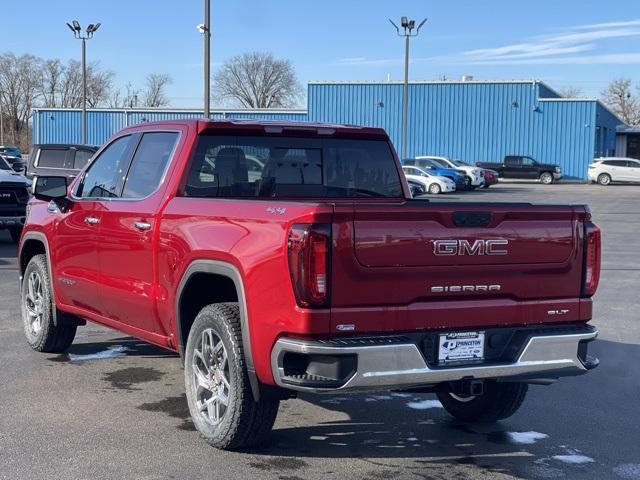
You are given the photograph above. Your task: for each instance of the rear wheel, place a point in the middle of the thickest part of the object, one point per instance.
(40, 329)
(604, 179)
(217, 384)
(434, 189)
(497, 401)
(546, 178)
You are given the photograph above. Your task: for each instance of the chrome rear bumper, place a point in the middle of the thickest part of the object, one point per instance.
(397, 366)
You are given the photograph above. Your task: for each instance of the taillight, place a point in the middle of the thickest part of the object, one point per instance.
(592, 248)
(308, 251)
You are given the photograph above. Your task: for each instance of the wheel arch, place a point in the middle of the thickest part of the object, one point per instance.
(33, 243)
(220, 273)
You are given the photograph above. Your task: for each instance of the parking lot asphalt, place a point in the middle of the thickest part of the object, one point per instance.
(114, 407)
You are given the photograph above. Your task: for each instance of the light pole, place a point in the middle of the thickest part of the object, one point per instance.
(75, 27)
(205, 30)
(408, 27)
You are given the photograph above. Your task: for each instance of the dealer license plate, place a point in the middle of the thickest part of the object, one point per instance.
(461, 347)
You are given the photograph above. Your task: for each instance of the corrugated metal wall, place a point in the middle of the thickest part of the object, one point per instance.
(473, 121)
(64, 125)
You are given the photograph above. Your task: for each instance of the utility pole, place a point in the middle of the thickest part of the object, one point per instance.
(407, 32)
(75, 27)
(207, 57)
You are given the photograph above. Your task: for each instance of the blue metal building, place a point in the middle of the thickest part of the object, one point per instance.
(63, 125)
(476, 120)
(468, 120)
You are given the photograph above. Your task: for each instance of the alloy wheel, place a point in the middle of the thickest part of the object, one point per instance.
(34, 303)
(434, 188)
(211, 374)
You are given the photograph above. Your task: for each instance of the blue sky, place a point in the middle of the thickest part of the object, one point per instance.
(581, 43)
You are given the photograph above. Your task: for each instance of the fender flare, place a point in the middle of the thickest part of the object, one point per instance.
(228, 270)
(42, 238)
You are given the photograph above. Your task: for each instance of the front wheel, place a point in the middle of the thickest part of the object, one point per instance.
(434, 189)
(217, 384)
(546, 178)
(43, 334)
(497, 401)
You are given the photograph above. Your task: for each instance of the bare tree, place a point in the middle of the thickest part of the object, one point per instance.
(62, 84)
(258, 80)
(52, 74)
(155, 94)
(99, 85)
(622, 101)
(570, 92)
(21, 85)
(127, 99)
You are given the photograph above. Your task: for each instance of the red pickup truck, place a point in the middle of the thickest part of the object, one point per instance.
(289, 257)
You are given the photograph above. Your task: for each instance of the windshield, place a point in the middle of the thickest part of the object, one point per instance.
(4, 165)
(460, 163)
(9, 150)
(435, 163)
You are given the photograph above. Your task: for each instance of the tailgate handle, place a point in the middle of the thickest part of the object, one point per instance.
(471, 219)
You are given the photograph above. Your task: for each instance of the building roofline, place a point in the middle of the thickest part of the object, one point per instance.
(416, 82)
(175, 110)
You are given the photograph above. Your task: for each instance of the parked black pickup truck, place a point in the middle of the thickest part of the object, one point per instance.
(524, 168)
(14, 196)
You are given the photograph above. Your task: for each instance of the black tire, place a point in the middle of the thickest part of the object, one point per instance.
(43, 335)
(546, 178)
(15, 234)
(604, 179)
(498, 401)
(486, 185)
(244, 423)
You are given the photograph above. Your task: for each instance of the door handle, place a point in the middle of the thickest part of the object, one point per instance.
(142, 226)
(91, 220)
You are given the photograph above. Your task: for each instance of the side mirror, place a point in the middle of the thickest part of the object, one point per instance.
(50, 188)
(17, 167)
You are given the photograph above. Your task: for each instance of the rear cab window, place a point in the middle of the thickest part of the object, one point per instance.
(52, 158)
(267, 167)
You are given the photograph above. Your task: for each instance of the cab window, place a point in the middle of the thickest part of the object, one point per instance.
(104, 178)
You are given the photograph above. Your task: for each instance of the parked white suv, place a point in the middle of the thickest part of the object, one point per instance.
(433, 184)
(614, 169)
(473, 174)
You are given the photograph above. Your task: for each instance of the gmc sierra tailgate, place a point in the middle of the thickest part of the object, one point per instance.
(419, 265)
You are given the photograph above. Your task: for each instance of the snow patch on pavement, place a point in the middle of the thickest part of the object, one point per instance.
(111, 352)
(573, 459)
(425, 404)
(525, 438)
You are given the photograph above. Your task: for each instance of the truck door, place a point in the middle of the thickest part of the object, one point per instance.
(76, 269)
(126, 254)
(529, 169)
(634, 170)
(511, 166)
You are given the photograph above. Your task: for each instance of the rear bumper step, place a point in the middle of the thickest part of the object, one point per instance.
(396, 362)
